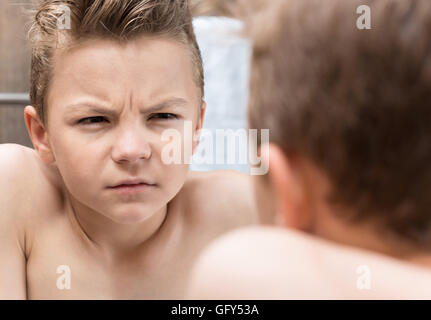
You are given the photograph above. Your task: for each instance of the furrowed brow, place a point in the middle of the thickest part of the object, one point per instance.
(92, 108)
(172, 102)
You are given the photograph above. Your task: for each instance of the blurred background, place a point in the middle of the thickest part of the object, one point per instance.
(14, 71)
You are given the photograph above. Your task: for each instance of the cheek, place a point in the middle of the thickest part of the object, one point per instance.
(78, 164)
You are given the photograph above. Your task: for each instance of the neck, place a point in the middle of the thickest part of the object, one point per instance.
(109, 237)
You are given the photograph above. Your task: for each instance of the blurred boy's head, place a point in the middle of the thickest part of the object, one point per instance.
(228, 8)
(103, 91)
(349, 112)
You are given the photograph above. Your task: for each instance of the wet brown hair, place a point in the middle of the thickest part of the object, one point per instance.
(113, 19)
(355, 102)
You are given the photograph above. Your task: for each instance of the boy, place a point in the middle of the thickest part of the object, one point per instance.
(350, 162)
(97, 211)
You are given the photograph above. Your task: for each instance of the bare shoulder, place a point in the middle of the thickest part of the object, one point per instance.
(17, 167)
(14, 163)
(254, 246)
(221, 194)
(248, 263)
(25, 187)
(12, 156)
(257, 250)
(275, 263)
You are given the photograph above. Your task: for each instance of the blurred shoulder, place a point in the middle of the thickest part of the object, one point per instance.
(247, 263)
(276, 263)
(246, 246)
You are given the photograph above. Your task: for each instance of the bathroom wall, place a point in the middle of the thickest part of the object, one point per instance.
(14, 68)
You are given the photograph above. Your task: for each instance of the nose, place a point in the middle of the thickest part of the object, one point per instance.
(131, 146)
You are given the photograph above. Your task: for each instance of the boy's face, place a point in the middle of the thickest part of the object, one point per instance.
(147, 87)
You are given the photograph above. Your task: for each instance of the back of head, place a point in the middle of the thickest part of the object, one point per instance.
(213, 7)
(356, 102)
(120, 20)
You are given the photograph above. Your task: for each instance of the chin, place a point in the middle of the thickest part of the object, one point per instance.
(132, 216)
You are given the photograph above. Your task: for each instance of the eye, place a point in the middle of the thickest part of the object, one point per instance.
(91, 120)
(163, 116)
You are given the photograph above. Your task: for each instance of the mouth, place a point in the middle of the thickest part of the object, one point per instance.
(131, 185)
(129, 189)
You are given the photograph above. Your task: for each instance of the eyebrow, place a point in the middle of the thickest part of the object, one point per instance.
(171, 102)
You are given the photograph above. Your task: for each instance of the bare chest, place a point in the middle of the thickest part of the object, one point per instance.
(59, 267)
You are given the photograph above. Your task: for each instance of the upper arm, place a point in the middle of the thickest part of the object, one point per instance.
(12, 237)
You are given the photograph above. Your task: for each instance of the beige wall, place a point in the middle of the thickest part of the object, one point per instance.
(14, 68)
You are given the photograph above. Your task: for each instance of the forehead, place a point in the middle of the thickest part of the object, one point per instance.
(145, 68)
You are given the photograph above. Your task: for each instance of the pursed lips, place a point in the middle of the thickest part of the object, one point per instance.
(131, 183)
(127, 188)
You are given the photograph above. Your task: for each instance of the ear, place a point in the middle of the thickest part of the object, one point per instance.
(38, 135)
(290, 189)
(199, 125)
